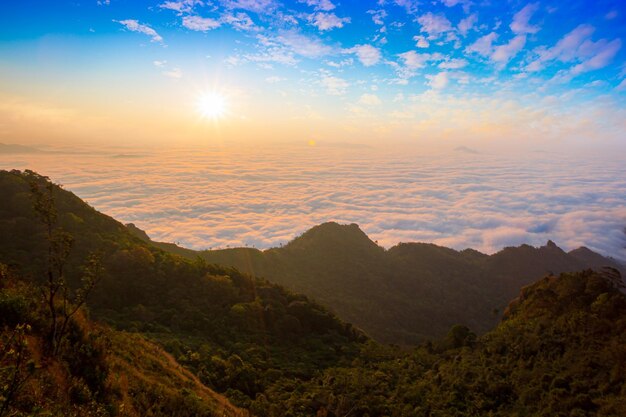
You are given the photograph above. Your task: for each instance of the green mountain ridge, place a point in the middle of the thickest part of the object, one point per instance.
(407, 294)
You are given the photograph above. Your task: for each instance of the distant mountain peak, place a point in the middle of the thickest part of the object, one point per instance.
(334, 227)
(465, 149)
(331, 235)
(581, 250)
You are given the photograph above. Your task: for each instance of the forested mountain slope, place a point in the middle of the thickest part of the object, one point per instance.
(559, 351)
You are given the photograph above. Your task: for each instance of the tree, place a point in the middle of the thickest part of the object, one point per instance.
(61, 303)
(613, 276)
(460, 336)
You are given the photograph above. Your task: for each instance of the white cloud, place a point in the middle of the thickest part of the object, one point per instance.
(327, 21)
(239, 21)
(421, 41)
(466, 24)
(307, 46)
(368, 55)
(369, 100)
(159, 64)
(577, 46)
(274, 79)
(565, 50)
(438, 81)
(256, 6)
(521, 19)
(621, 86)
(413, 60)
(465, 3)
(175, 73)
(334, 86)
(277, 55)
(483, 45)
(284, 48)
(455, 63)
(201, 24)
(502, 54)
(442, 79)
(600, 54)
(325, 5)
(434, 25)
(338, 64)
(135, 26)
(180, 6)
(378, 16)
(596, 83)
(411, 6)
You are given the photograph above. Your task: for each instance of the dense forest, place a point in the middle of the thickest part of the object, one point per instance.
(560, 350)
(132, 329)
(408, 294)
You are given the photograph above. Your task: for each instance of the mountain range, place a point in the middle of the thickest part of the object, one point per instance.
(407, 294)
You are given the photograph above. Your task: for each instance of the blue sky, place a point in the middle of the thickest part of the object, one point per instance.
(322, 58)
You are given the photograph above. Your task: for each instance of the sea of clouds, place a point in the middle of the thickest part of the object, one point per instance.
(265, 196)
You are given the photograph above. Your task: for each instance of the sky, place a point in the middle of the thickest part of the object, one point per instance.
(501, 73)
(214, 123)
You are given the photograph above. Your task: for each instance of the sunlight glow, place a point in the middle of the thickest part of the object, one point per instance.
(212, 105)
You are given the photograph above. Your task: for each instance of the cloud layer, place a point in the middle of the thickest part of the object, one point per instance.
(236, 197)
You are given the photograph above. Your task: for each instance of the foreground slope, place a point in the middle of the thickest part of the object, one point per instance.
(238, 333)
(99, 371)
(409, 293)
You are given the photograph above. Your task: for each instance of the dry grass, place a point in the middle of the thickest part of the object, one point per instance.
(136, 362)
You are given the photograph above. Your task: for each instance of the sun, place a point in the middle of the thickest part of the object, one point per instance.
(212, 105)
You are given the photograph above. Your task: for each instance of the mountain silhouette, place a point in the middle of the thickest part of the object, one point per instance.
(406, 294)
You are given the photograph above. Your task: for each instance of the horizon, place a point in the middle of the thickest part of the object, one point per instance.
(227, 196)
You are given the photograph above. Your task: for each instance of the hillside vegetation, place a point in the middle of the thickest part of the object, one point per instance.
(98, 371)
(559, 351)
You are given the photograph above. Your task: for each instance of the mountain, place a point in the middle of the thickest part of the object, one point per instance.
(560, 350)
(240, 334)
(409, 293)
(465, 149)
